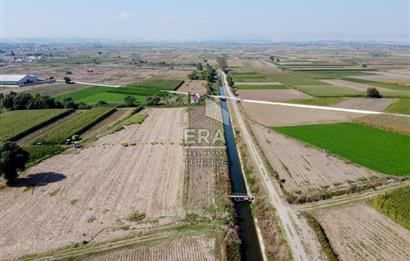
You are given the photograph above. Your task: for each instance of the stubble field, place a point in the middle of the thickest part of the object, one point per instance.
(71, 197)
(359, 232)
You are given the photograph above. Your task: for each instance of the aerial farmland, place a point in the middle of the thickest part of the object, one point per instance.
(132, 158)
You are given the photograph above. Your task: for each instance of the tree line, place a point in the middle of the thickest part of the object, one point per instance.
(27, 101)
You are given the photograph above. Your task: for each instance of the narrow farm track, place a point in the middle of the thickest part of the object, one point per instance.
(140, 169)
(292, 225)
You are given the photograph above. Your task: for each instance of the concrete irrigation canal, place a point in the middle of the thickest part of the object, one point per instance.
(250, 249)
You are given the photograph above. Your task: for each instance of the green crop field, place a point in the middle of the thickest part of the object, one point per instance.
(138, 90)
(136, 119)
(110, 97)
(401, 106)
(260, 87)
(328, 91)
(39, 152)
(380, 150)
(169, 85)
(294, 78)
(387, 85)
(396, 205)
(16, 124)
(75, 125)
(249, 77)
(318, 101)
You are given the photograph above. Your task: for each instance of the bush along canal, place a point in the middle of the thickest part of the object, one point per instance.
(250, 248)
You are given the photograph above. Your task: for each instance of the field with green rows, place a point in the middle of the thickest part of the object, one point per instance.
(380, 150)
(396, 205)
(16, 124)
(76, 125)
(139, 90)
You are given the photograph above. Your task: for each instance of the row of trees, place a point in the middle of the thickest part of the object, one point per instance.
(27, 101)
(206, 73)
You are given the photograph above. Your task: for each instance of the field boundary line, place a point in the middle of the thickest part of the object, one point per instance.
(348, 198)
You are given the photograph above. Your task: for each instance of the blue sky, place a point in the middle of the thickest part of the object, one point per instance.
(207, 19)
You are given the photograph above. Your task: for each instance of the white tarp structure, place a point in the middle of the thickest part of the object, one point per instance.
(18, 79)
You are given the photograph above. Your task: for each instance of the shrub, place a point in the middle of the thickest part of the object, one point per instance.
(153, 100)
(373, 93)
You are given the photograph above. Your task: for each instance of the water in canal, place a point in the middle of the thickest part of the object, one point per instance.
(250, 249)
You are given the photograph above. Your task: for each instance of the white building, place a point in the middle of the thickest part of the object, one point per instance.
(18, 79)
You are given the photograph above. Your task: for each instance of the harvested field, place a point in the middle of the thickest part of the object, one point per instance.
(386, 77)
(271, 95)
(365, 104)
(193, 86)
(387, 122)
(53, 89)
(46, 89)
(360, 232)
(186, 248)
(115, 74)
(304, 168)
(206, 165)
(275, 115)
(73, 196)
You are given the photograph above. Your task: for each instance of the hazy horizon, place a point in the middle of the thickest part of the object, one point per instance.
(161, 20)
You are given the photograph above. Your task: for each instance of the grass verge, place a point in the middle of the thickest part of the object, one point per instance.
(323, 239)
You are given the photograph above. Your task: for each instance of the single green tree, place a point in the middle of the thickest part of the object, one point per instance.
(373, 93)
(12, 159)
(199, 67)
(67, 79)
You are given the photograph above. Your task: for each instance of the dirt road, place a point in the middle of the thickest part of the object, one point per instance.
(289, 219)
